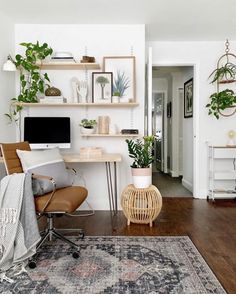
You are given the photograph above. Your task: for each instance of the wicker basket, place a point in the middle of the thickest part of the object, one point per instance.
(141, 206)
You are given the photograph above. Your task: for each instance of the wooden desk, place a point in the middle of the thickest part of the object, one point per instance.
(106, 158)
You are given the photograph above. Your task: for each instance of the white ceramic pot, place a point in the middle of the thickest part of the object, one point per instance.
(87, 131)
(142, 177)
(115, 99)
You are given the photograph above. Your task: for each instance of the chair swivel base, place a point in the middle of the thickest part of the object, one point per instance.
(48, 234)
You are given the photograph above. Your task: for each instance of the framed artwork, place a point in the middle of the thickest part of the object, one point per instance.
(123, 69)
(169, 109)
(102, 87)
(188, 98)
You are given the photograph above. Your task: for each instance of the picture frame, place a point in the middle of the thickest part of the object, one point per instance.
(102, 87)
(124, 79)
(169, 109)
(188, 98)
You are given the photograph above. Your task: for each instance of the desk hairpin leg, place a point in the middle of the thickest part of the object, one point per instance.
(115, 188)
(112, 187)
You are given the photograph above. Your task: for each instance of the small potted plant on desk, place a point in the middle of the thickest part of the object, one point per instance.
(141, 151)
(88, 126)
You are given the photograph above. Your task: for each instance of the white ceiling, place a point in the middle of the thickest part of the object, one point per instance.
(166, 20)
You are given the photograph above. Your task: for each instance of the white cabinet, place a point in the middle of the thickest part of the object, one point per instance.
(221, 172)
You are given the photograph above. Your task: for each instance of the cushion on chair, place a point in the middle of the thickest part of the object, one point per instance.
(48, 163)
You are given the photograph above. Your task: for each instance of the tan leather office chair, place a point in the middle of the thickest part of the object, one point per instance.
(64, 200)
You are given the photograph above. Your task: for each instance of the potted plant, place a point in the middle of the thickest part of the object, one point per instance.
(224, 74)
(141, 151)
(88, 126)
(116, 97)
(221, 101)
(32, 82)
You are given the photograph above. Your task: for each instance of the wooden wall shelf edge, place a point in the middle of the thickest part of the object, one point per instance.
(110, 135)
(69, 65)
(132, 104)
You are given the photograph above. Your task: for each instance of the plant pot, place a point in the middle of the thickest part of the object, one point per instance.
(115, 99)
(87, 131)
(142, 177)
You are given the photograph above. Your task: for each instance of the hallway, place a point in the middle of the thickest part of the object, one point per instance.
(168, 186)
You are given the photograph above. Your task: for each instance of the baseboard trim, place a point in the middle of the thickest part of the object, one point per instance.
(187, 185)
(174, 174)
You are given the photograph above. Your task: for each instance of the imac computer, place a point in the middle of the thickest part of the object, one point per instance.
(47, 132)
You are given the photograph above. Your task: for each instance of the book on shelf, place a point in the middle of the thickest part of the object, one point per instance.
(62, 59)
(52, 99)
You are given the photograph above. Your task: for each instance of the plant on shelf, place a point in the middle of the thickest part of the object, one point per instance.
(224, 74)
(141, 151)
(117, 94)
(88, 126)
(116, 97)
(32, 81)
(221, 101)
(121, 83)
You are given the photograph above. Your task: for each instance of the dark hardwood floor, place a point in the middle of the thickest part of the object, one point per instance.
(211, 227)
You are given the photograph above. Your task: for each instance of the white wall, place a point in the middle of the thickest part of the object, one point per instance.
(100, 40)
(7, 89)
(204, 56)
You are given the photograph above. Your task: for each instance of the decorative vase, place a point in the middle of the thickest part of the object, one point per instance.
(87, 131)
(52, 91)
(142, 177)
(103, 125)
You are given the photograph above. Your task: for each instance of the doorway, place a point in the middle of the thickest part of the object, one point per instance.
(173, 145)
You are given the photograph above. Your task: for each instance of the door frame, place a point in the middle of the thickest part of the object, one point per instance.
(196, 119)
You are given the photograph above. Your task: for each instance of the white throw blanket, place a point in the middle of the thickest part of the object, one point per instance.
(19, 233)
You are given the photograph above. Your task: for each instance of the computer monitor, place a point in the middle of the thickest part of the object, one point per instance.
(47, 132)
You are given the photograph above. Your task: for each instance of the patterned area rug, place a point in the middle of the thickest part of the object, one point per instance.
(134, 265)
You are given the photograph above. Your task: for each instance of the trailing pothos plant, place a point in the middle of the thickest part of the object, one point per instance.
(32, 81)
(141, 151)
(221, 101)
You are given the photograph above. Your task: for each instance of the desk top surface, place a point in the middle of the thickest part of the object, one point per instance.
(105, 157)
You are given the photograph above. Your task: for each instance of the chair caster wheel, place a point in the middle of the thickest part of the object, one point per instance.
(81, 235)
(75, 254)
(32, 264)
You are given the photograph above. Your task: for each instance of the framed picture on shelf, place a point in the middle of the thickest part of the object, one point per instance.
(188, 98)
(123, 69)
(102, 87)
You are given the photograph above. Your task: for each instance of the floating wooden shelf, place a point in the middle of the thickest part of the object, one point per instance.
(110, 135)
(131, 104)
(69, 65)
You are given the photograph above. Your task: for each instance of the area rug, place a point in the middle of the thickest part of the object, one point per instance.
(131, 265)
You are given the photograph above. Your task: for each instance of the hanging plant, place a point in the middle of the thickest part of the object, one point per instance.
(32, 81)
(221, 101)
(224, 74)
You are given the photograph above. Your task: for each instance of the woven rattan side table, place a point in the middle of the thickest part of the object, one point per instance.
(141, 206)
